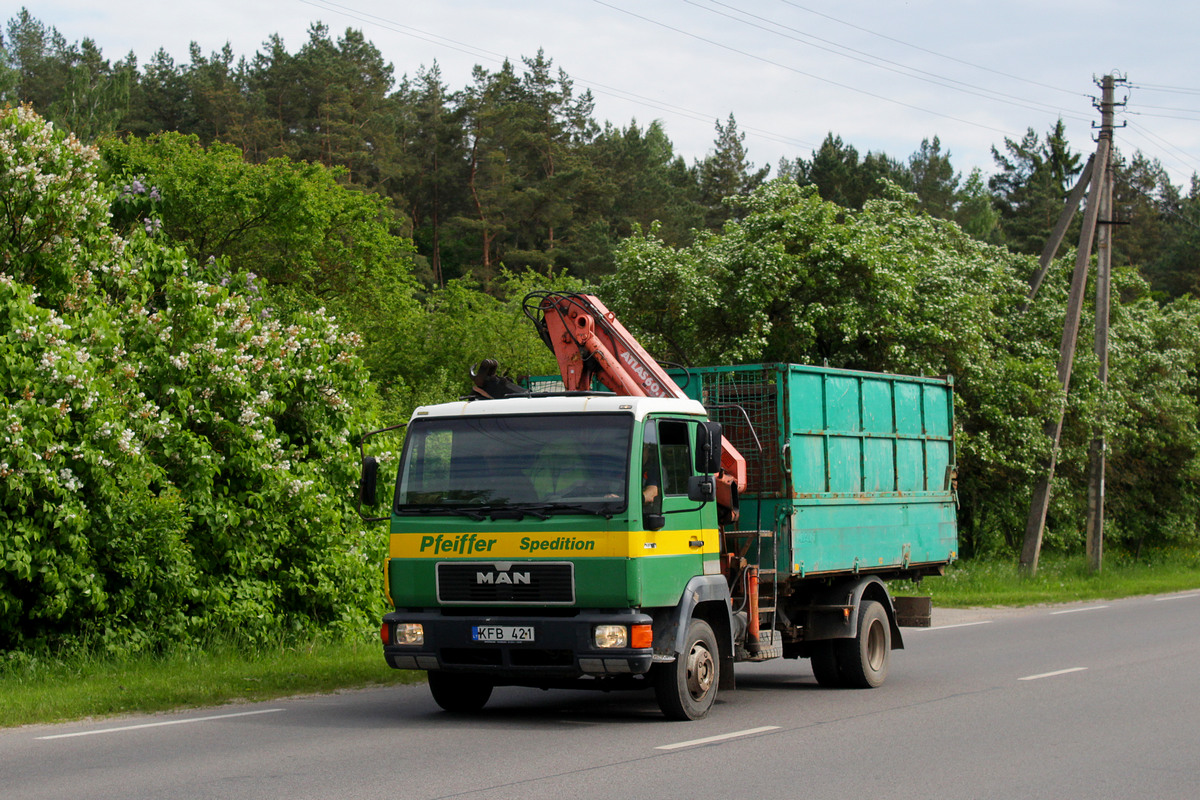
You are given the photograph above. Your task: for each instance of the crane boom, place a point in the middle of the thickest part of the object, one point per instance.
(590, 343)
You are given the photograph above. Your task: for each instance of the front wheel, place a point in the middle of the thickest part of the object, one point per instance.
(459, 693)
(687, 688)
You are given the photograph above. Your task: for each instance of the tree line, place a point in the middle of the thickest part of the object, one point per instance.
(514, 169)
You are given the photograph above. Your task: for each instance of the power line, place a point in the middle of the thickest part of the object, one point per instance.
(1165, 145)
(926, 50)
(1154, 87)
(1164, 116)
(406, 30)
(1168, 108)
(829, 81)
(886, 64)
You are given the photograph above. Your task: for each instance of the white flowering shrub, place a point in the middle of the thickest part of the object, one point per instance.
(174, 461)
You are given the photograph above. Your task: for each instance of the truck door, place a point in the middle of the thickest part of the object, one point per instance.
(677, 550)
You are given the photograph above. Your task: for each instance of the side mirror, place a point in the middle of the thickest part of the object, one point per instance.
(702, 489)
(369, 476)
(708, 448)
(368, 481)
(654, 522)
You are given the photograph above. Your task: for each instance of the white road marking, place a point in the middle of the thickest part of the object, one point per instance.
(1176, 597)
(944, 627)
(159, 724)
(1052, 674)
(1077, 610)
(721, 738)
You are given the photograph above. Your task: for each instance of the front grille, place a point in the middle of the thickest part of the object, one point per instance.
(541, 658)
(484, 582)
(493, 656)
(471, 657)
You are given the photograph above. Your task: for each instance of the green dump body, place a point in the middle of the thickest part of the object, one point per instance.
(847, 471)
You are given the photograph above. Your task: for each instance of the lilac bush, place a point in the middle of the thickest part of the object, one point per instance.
(175, 461)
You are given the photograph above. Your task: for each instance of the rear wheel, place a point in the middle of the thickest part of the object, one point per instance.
(863, 661)
(687, 688)
(825, 665)
(459, 693)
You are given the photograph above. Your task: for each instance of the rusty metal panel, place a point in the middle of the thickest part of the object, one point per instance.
(913, 612)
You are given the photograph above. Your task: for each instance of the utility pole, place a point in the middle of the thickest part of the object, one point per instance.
(1096, 455)
(1036, 524)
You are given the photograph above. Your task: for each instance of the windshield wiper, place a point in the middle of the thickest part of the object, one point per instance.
(517, 511)
(578, 508)
(472, 512)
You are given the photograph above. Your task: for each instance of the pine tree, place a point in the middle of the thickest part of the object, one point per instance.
(431, 166)
(726, 172)
(1029, 188)
(933, 179)
(842, 178)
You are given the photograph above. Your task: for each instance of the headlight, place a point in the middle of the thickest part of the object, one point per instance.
(409, 633)
(610, 636)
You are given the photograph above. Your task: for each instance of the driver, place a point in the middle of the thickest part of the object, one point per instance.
(559, 472)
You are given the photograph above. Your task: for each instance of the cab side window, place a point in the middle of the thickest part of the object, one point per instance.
(675, 448)
(651, 472)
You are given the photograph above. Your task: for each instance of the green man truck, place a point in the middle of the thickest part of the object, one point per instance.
(654, 533)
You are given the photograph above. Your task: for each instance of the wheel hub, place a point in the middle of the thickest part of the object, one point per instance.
(700, 671)
(876, 646)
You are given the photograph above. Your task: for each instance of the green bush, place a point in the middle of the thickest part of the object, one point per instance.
(175, 459)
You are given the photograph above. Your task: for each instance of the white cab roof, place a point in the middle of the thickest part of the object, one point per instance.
(639, 407)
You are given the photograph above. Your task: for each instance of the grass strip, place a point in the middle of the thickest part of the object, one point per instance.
(82, 685)
(1058, 579)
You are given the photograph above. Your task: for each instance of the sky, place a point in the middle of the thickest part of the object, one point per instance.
(881, 74)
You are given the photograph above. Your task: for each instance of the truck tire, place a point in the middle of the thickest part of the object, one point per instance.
(825, 665)
(459, 693)
(686, 688)
(863, 661)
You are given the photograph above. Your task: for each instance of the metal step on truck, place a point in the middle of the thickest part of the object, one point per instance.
(653, 534)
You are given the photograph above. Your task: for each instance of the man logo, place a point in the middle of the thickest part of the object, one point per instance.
(503, 578)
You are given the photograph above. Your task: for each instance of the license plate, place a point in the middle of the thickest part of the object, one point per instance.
(502, 634)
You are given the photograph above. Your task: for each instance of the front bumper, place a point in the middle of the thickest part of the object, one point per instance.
(562, 648)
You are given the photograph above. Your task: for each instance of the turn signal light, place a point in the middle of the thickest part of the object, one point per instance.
(642, 636)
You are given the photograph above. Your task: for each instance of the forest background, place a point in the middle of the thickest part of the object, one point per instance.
(215, 275)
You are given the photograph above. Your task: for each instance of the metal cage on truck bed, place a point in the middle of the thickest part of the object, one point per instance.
(854, 471)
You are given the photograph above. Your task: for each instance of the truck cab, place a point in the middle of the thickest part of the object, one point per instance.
(559, 541)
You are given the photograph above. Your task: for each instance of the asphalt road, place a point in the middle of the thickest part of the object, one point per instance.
(1090, 701)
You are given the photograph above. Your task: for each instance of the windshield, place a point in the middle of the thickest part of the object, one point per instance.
(547, 463)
